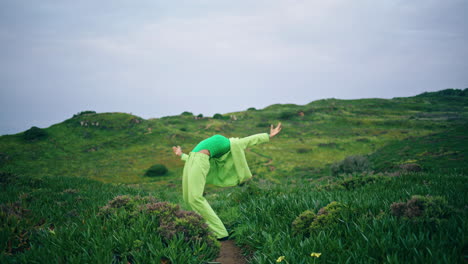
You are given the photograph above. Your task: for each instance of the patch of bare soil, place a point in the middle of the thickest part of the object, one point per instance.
(230, 254)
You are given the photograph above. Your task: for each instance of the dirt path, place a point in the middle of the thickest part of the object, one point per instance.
(230, 254)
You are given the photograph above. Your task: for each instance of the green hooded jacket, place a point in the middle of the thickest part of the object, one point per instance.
(231, 168)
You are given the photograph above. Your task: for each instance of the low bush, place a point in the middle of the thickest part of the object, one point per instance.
(353, 182)
(88, 112)
(351, 164)
(419, 208)
(286, 115)
(303, 150)
(301, 224)
(218, 116)
(308, 223)
(410, 167)
(187, 114)
(167, 219)
(34, 133)
(328, 145)
(251, 109)
(156, 170)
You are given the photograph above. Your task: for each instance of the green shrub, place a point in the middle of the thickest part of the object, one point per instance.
(308, 223)
(34, 133)
(200, 115)
(187, 113)
(286, 115)
(327, 217)
(156, 170)
(218, 116)
(301, 224)
(351, 164)
(410, 167)
(352, 183)
(303, 150)
(16, 227)
(251, 109)
(167, 219)
(88, 112)
(431, 209)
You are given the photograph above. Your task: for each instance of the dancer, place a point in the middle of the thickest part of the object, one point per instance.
(219, 161)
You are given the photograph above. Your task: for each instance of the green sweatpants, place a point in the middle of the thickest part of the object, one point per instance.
(193, 183)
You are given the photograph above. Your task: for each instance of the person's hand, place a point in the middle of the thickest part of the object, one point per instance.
(275, 131)
(177, 150)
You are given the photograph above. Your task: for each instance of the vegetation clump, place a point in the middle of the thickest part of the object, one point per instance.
(88, 112)
(286, 115)
(187, 114)
(34, 133)
(15, 227)
(166, 219)
(301, 224)
(410, 167)
(156, 170)
(218, 116)
(353, 182)
(307, 223)
(431, 209)
(351, 164)
(303, 150)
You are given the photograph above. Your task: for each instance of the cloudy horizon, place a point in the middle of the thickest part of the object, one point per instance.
(158, 58)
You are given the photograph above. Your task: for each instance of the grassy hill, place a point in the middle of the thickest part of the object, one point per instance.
(111, 152)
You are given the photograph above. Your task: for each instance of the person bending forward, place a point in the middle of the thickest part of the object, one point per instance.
(219, 161)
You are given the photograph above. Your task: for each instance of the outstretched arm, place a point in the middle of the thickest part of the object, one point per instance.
(260, 138)
(178, 151)
(275, 131)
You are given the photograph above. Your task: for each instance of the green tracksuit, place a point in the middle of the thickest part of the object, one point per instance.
(230, 169)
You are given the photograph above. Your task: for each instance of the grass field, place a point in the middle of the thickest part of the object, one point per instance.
(54, 187)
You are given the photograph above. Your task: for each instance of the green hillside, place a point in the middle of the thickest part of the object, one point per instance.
(408, 146)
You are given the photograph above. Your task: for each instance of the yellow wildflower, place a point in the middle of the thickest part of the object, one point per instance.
(313, 254)
(280, 259)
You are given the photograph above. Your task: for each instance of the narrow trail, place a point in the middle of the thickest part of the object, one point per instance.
(230, 254)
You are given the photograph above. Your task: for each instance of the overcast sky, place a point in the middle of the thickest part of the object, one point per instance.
(157, 58)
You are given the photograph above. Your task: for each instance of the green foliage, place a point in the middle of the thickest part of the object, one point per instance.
(218, 116)
(445, 150)
(63, 220)
(327, 217)
(301, 224)
(88, 112)
(351, 164)
(200, 115)
(356, 181)
(168, 220)
(431, 209)
(156, 170)
(34, 133)
(287, 115)
(187, 114)
(446, 92)
(251, 109)
(308, 223)
(303, 150)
